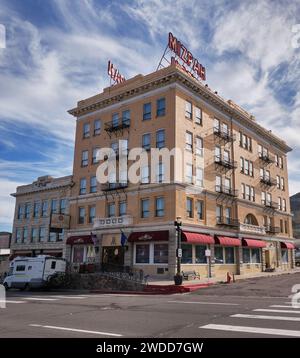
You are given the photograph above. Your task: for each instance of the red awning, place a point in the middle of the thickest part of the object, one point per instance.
(79, 240)
(196, 238)
(254, 243)
(227, 241)
(149, 236)
(287, 245)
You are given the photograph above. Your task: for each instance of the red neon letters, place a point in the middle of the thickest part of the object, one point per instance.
(186, 56)
(114, 73)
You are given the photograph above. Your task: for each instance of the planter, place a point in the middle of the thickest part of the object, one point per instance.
(178, 280)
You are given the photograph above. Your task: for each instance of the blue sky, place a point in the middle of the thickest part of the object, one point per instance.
(56, 53)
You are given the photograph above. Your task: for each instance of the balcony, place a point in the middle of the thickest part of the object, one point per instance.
(224, 135)
(265, 157)
(114, 186)
(253, 229)
(116, 126)
(222, 220)
(270, 204)
(272, 229)
(117, 154)
(228, 164)
(267, 180)
(222, 189)
(114, 221)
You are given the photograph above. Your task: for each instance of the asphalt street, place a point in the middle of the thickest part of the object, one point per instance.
(249, 308)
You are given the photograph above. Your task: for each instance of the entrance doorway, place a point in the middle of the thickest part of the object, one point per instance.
(113, 258)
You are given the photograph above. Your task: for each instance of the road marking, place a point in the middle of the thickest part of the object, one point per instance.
(278, 332)
(278, 311)
(39, 299)
(9, 301)
(282, 306)
(278, 318)
(206, 303)
(78, 330)
(71, 297)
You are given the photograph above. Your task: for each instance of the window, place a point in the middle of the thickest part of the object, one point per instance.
(53, 206)
(279, 204)
(278, 181)
(225, 128)
(200, 254)
(227, 185)
(145, 208)
(53, 265)
(247, 192)
(145, 178)
(246, 256)
(199, 146)
(224, 255)
(286, 227)
(263, 198)
(160, 173)
(229, 255)
(251, 173)
(226, 156)
(34, 234)
(18, 235)
(44, 208)
(25, 235)
(81, 215)
(126, 117)
(36, 209)
(219, 213)
(84, 158)
(20, 268)
(20, 212)
(142, 253)
(189, 207)
(62, 206)
(94, 157)
(244, 141)
(198, 115)
(255, 256)
(52, 236)
(189, 173)
(86, 130)
(242, 164)
(243, 191)
(217, 153)
(122, 208)
(82, 189)
(283, 205)
(187, 254)
(92, 214)
(199, 177)
(246, 169)
(280, 163)
(251, 255)
(188, 109)
(111, 209)
(160, 107)
(115, 119)
(93, 184)
(218, 183)
(146, 111)
(146, 141)
(269, 198)
(27, 210)
(61, 235)
(219, 259)
(276, 160)
(160, 254)
(282, 184)
(160, 138)
(227, 215)
(97, 127)
(217, 125)
(159, 207)
(42, 234)
(284, 256)
(189, 141)
(281, 225)
(200, 211)
(252, 194)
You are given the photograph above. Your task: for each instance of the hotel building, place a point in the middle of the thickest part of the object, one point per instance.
(241, 216)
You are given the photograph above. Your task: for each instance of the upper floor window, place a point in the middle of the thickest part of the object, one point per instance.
(200, 211)
(62, 206)
(217, 125)
(42, 234)
(198, 115)
(146, 141)
(81, 215)
(199, 177)
(111, 209)
(122, 208)
(277, 181)
(97, 126)
(25, 234)
(189, 173)
(27, 210)
(159, 206)
(147, 109)
(161, 107)
(34, 234)
(94, 157)
(160, 138)
(276, 160)
(189, 141)
(53, 206)
(280, 162)
(84, 158)
(92, 214)
(145, 179)
(20, 212)
(93, 184)
(160, 173)
(282, 184)
(36, 209)
(279, 204)
(283, 205)
(188, 109)
(126, 117)
(145, 203)
(199, 146)
(189, 207)
(44, 208)
(18, 235)
(245, 142)
(115, 119)
(82, 189)
(86, 130)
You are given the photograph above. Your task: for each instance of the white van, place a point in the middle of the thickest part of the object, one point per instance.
(33, 272)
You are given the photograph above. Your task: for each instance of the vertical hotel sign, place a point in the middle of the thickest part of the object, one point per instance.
(185, 59)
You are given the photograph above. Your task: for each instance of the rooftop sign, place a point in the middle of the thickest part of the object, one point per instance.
(114, 73)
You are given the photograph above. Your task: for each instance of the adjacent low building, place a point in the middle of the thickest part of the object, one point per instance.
(5, 241)
(41, 217)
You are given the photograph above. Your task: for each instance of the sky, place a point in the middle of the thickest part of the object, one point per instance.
(57, 51)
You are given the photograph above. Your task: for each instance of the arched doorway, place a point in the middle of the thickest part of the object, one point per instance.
(251, 220)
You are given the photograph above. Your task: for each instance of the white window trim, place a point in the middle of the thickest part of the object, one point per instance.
(151, 253)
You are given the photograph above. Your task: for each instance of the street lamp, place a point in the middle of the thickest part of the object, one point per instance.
(178, 276)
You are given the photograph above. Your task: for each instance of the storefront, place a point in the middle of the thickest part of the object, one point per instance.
(286, 255)
(251, 255)
(82, 253)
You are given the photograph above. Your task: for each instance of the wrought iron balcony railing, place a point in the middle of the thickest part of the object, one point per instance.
(270, 204)
(272, 229)
(265, 157)
(267, 180)
(223, 220)
(117, 125)
(222, 189)
(229, 164)
(114, 186)
(225, 135)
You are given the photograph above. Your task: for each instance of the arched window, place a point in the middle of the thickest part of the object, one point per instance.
(251, 219)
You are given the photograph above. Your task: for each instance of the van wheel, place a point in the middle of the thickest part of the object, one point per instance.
(25, 288)
(6, 286)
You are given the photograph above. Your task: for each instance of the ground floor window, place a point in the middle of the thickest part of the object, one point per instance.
(224, 255)
(187, 254)
(284, 256)
(151, 253)
(251, 256)
(78, 254)
(200, 257)
(193, 254)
